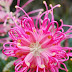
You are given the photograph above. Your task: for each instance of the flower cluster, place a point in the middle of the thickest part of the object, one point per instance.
(38, 46)
(6, 17)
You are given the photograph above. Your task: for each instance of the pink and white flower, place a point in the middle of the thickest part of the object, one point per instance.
(6, 17)
(37, 46)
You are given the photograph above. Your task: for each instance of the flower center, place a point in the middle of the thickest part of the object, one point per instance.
(36, 49)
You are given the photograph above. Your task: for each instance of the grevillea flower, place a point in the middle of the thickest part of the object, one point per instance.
(6, 19)
(6, 15)
(37, 46)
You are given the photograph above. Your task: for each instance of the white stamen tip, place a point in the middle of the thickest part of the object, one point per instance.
(53, 53)
(27, 63)
(44, 2)
(50, 5)
(70, 59)
(18, 44)
(42, 10)
(8, 17)
(60, 20)
(59, 5)
(16, 6)
(42, 66)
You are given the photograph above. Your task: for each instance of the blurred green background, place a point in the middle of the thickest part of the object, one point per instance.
(64, 13)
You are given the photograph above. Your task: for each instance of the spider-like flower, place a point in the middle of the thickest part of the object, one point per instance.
(6, 19)
(37, 46)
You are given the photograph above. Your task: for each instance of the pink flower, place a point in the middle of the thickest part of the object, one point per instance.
(37, 46)
(6, 17)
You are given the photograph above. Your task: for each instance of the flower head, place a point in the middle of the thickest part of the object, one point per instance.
(9, 19)
(37, 46)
